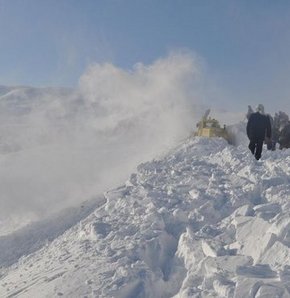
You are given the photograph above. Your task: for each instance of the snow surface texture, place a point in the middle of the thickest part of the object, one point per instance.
(206, 220)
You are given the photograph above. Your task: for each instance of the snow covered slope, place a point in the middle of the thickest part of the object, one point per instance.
(206, 220)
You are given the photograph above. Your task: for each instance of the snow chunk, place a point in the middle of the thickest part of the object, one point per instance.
(268, 210)
(225, 263)
(212, 248)
(190, 250)
(269, 291)
(281, 226)
(253, 236)
(194, 194)
(277, 256)
(257, 271)
(247, 287)
(245, 210)
(223, 288)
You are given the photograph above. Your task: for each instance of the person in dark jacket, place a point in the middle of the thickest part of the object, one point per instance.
(284, 137)
(258, 128)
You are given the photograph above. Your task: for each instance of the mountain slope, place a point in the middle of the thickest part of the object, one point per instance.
(207, 220)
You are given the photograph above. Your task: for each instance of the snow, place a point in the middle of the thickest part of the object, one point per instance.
(59, 147)
(204, 220)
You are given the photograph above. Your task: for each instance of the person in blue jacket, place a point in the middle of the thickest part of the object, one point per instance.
(258, 128)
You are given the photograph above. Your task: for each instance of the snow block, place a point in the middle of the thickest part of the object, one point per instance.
(253, 236)
(245, 210)
(212, 248)
(267, 211)
(269, 291)
(257, 271)
(194, 194)
(247, 287)
(281, 226)
(269, 207)
(284, 273)
(227, 264)
(238, 221)
(224, 288)
(277, 256)
(190, 251)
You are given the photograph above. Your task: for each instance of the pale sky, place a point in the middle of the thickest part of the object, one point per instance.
(244, 44)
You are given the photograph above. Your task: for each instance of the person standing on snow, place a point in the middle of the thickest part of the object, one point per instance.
(250, 112)
(258, 128)
(284, 138)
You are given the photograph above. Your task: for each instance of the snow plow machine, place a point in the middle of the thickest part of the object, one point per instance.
(210, 127)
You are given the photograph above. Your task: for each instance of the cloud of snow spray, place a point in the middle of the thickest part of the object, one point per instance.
(65, 147)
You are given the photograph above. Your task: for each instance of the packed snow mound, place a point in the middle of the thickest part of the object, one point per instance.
(206, 220)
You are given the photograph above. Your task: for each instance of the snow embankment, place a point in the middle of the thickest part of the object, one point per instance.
(207, 220)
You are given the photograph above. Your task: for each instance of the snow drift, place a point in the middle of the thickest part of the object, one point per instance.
(205, 220)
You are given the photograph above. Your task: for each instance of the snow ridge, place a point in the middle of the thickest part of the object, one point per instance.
(207, 220)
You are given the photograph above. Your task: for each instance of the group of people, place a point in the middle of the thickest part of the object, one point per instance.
(263, 128)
